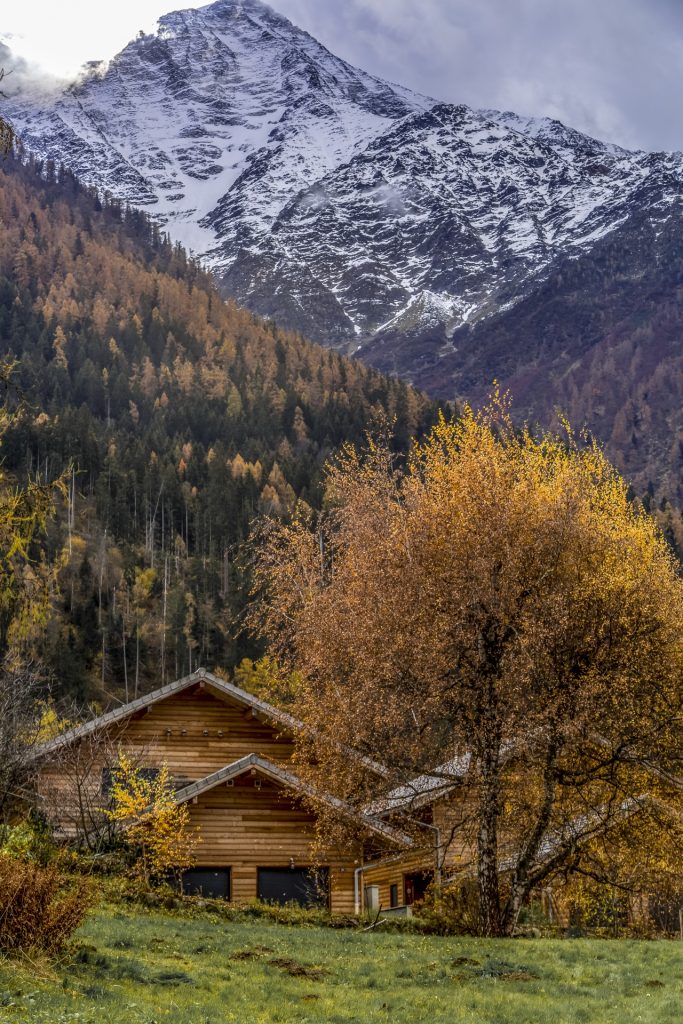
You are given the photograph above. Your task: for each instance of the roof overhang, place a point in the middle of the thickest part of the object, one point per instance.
(214, 684)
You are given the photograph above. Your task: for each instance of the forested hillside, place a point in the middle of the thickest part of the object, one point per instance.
(184, 418)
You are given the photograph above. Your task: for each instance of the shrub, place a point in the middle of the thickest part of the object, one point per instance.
(39, 907)
(27, 840)
(448, 911)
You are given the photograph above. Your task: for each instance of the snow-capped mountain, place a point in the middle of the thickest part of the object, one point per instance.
(366, 216)
(215, 122)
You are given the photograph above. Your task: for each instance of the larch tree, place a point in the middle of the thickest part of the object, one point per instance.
(497, 620)
(153, 824)
(27, 583)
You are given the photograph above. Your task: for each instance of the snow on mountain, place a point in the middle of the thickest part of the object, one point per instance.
(356, 211)
(229, 102)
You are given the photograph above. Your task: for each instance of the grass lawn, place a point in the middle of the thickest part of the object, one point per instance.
(137, 967)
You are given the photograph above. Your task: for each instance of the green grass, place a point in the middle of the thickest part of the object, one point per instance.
(136, 967)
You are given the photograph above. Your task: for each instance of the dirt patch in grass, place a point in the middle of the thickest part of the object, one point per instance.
(173, 978)
(297, 970)
(251, 953)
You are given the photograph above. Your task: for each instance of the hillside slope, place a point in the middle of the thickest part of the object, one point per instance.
(600, 340)
(185, 417)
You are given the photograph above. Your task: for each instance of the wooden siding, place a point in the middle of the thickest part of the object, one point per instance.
(392, 872)
(185, 732)
(246, 827)
(194, 732)
(446, 815)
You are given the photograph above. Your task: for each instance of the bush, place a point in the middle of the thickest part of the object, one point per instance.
(27, 840)
(39, 907)
(448, 911)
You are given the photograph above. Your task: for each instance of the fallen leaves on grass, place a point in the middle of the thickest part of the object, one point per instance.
(251, 953)
(500, 970)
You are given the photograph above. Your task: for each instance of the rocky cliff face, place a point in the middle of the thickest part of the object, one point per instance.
(215, 122)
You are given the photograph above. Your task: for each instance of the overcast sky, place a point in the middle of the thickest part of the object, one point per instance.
(610, 67)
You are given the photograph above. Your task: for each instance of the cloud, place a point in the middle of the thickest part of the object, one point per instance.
(20, 74)
(608, 67)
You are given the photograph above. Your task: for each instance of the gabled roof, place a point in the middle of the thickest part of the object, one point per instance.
(220, 686)
(287, 779)
(422, 790)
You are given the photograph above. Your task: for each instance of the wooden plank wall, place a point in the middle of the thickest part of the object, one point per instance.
(392, 873)
(446, 815)
(185, 732)
(245, 827)
(194, 732)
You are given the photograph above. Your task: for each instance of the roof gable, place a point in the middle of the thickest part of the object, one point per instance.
(290, 781)
(214, 684)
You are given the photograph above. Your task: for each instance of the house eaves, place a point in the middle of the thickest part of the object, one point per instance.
(214, 683)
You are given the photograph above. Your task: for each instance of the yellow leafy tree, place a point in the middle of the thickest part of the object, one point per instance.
(500, 617)
(264, 678)
(153, 823)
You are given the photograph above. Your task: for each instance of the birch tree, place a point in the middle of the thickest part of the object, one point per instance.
(499, 619)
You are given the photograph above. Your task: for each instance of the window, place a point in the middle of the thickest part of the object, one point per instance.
(107, 784)
(393, 895)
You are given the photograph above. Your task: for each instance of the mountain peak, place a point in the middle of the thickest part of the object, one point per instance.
(327, 198)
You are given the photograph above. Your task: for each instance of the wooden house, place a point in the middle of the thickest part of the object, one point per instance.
(229, 754)
(431, 802)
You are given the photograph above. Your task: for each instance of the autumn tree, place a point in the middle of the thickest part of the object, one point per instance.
(499, 618)
(153, 824)
(26, 582)
(183, 416)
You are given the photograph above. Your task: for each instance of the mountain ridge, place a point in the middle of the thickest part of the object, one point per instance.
(436, 242)
(246, 139)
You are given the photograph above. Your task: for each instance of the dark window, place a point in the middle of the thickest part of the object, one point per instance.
(393, 895)
(305, 886)
(149, 774)
(213, 883)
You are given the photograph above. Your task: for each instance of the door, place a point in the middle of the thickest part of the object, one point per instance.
(213, 883)
(415, 885)
(305, 886)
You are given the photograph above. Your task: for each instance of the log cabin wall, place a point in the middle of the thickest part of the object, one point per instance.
(392, 871)
(195, 732)
(445, 814)
(256, 823)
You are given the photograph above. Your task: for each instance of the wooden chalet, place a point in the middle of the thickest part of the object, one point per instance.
(229, 755)
(397, 880)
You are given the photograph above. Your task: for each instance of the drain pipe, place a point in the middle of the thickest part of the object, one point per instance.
(437, 846)
(356, 889)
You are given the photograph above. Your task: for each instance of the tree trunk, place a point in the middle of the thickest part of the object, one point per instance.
(490, 923)
(490, 919)
(523, 877)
